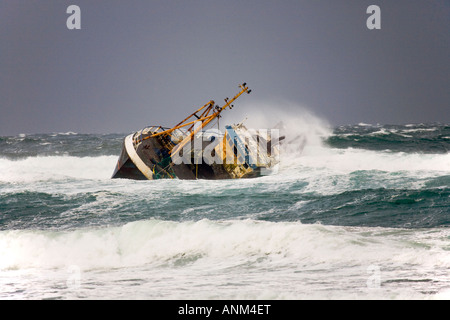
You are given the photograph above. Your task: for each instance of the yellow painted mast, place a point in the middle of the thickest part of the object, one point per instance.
(205, 120)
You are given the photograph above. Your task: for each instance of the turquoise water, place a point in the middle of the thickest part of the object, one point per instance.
(358, 211)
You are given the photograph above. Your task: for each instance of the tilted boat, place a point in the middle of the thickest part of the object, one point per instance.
(192, 149)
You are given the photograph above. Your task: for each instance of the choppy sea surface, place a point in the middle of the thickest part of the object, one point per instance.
(354, 212)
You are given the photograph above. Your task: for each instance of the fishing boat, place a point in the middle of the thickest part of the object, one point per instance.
(194, 149)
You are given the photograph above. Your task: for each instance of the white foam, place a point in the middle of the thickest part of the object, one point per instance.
(444, 295)
(382, 131)
(217, 244)
(350, 160)
(420, 130)
(362, 124)
(231, 259)
(68, 133)
(56, 168)
(330, 171)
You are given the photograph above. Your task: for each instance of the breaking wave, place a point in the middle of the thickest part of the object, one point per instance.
(160, 242)
(45, 168)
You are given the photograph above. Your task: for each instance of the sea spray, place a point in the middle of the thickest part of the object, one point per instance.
(298, 124)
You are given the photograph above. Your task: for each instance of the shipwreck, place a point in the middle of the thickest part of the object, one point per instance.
(195, 149)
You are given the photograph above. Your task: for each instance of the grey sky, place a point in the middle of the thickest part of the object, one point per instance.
(135, 63)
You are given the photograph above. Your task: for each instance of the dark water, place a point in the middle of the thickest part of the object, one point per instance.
(424, 138)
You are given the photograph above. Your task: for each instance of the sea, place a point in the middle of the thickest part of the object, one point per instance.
(353, 212)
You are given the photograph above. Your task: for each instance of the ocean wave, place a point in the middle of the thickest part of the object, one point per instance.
(51, 168)
(230, 243)
(362, 124)
(156, 259)
(57, 144)
(68, 133)
(410, 138)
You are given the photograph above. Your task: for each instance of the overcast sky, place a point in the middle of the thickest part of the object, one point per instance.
(135, 63)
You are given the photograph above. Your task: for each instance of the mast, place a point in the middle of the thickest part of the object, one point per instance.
(205, 118)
